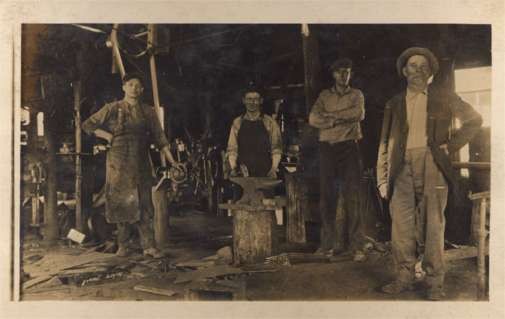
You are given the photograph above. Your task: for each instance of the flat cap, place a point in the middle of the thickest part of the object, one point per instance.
(341, 63)
(403, 58)
(253, 86)
(133, 75)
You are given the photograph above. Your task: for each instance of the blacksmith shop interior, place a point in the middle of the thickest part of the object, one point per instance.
(196, 162)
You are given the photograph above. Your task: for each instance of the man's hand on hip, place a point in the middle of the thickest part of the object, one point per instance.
(234, 172)
(445, 148)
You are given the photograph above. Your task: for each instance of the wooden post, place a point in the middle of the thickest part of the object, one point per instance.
(161, 217)
(311, 66)
(295, 223)
(35, 209)
(160, 200)
(79, 218)
(481, 258)
(51, 231)
(211, 186)
(475, 224)
(445, 79)
(116, 55)
(151, 42)
(252, 236)
(36, 174)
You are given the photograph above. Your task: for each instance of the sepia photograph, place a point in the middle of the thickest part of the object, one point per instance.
(252, 160)
(246, 161)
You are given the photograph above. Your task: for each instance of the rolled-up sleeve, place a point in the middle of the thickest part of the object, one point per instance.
(356, 112)
(97, 120)
(158, 135)
(317, 118)
(232, 148)
(275, 136)
(383, 153)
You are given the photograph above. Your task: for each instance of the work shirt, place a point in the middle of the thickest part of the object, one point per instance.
(417, 104)
(271, 127)
(347, 108)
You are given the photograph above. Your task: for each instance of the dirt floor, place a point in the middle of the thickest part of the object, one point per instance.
(194, 270)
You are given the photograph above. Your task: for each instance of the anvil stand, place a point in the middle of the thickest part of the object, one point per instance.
(253, 219)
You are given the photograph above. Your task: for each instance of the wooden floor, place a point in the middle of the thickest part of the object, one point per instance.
(195, 240)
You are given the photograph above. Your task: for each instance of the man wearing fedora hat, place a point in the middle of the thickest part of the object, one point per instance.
(337, 114)
(414, 169)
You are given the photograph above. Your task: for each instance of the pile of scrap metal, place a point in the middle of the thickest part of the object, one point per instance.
(52, 272)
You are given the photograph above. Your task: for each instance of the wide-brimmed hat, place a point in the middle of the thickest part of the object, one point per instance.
(403, 58)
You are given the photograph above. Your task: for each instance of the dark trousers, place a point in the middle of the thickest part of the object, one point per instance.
(340, 171)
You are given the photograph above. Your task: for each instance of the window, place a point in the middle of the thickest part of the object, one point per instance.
(474, 87)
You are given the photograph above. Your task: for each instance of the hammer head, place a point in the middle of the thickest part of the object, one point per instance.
(252, 187)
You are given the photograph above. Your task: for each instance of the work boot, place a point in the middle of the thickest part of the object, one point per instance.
(123, 251)
(321, 251)
(396, 287)
(435, 294)
(153, 252)
(324, 252)
(329, 252)
(359, 256)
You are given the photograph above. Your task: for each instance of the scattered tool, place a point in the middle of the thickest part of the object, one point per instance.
(288, 259)
(156, 291)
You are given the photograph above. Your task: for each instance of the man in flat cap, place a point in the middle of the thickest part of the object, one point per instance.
(337, 113)
(414, 169)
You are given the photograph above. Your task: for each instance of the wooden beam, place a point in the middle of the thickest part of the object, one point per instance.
(480, 195)
(116, 55)
(159, 196)
(50, 229)
(295, 221)
(474, 165)
(462, 252)
(151, 42)
(79, 218)
(481, 257)
(161, 219)
(311, 66)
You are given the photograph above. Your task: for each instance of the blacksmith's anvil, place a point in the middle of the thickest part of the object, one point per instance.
(252, 189)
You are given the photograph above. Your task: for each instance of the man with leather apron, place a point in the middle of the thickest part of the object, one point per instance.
(129, 126)
(255, 143)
